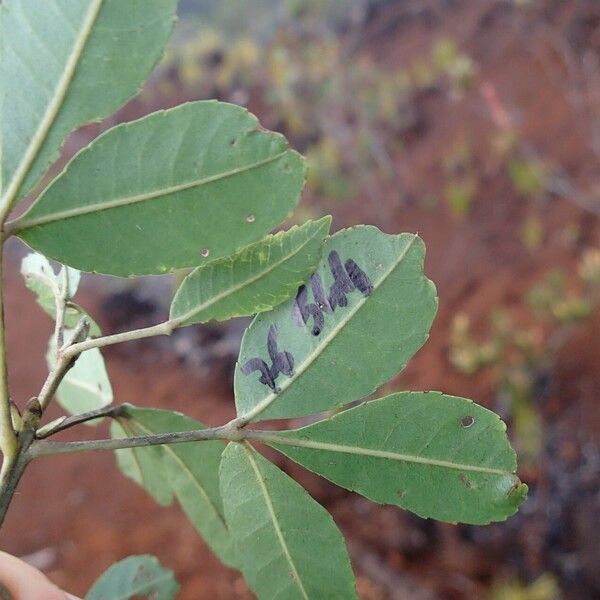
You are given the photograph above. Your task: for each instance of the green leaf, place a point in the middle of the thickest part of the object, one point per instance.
(186, 186)
(288, 545)
(191, 471)
(438, 456)
(86, 385)
(134, 577)
(64, 63)
(41, 279)
(143, 465)
(254, 280)
(73, 315)
(314, 353)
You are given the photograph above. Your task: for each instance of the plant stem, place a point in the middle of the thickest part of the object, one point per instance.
(12, 474)
(8, 438)
(64, 362)
(225, 432)
(68, 422)
(165, 328)
(61, 308)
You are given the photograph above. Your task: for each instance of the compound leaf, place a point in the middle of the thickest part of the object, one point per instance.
(366, 311)
(254, 280)
(64, 63)
(288, 545)
(438, 456)
(134, 577)
(186, 186)
(190, 471)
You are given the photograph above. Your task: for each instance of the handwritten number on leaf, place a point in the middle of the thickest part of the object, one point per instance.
(346, 279)
(282, 362)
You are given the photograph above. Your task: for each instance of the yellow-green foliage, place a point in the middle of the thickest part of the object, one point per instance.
(543, 588)
(463, 180)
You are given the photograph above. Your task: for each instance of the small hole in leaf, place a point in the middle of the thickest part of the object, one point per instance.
(250, 219)
(467, 421)
(233, 142)
(205, 252)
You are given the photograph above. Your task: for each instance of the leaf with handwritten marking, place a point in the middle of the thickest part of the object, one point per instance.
(190, 471)
(64, 63)
(256, 279)
(352, 327)
(135, 577)
(186, 185)
(288, 545)
(438, 456)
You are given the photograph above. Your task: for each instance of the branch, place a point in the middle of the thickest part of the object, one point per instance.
(68, 422)
(227, 432)
(12, 471)
(165, 328)
(63, 364)
(61, 307)
(8, 438)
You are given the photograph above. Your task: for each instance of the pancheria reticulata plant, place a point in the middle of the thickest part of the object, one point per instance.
(199, 186)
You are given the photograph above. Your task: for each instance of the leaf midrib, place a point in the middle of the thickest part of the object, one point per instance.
(192, 313)
(24, 223)
(372, 452)
(266, 402)
(53, 107)
(261, 483)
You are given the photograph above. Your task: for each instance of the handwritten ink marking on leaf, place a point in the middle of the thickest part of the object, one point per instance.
(346, 278)
(359, 278)
(282, 362)
(303, 310)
